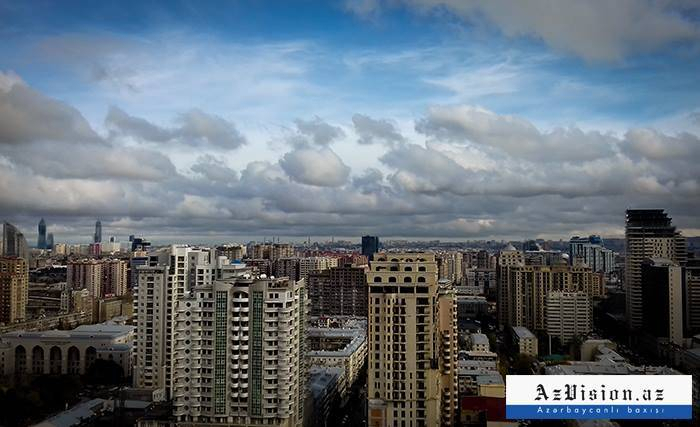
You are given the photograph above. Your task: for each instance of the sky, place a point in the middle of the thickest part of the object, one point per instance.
(450, 119)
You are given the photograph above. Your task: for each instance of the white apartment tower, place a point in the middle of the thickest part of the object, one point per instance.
(158, 287)
(239, 353)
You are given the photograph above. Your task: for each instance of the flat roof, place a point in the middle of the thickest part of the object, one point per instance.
(74, 415)
(479, 339)
(523, 332)
(101, 330)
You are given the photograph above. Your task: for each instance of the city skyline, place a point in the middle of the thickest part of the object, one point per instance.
(408, 119)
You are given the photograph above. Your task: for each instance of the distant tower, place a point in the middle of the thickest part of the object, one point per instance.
(98, 232)
(41, 241)
(370, 246)
(49, 241)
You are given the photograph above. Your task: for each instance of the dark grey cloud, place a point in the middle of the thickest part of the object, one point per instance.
(375, 130)
(193, 127)
(597, 30)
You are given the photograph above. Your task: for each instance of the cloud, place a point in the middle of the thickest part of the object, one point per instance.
(194, 126)
(513, 135)
(214, 170)
(315, 167)
(653, 145)
(316, 130)
(53, 139)
(478, 174)
(27, 115)
(375, 130)
(597, 30)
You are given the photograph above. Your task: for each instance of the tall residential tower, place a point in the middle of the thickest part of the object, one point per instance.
(412, 378)
(648, 234)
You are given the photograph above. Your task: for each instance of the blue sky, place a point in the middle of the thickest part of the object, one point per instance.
(480, 87)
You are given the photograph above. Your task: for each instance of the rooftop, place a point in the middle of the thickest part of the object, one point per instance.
(101, 330)
(522, 332)
(479, 339)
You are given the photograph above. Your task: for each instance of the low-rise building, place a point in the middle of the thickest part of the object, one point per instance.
(524, 341)
(479, 342)
(65, 352)
(339, 342)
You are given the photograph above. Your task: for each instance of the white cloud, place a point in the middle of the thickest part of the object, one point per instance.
(315, 167)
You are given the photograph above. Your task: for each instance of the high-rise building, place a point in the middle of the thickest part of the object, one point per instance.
(14, 288)
(338, 291)
(449, 266)
(232, 252)
(166, 277)
(648, 234)
(370, 246)
(13, 242)
(412, 332)
(139, 244)
(508, 256)
(318, 263)
(591, 252)
(239, 353)
(154, 297)
(286, 267)
(281, 250)
(692, 295)
(104, 277)
(662, 299)
(97, 238)
(49, 241)
(41, 239)
(567, 315)
(528, 286)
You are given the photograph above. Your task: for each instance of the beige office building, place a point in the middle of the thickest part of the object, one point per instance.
(105, 277)
(412, 335)
(14, 288)
(528, 286)
(567, 315)
(508, 257)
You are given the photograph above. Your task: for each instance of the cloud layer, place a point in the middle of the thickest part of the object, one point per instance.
(457, 171)
(597, 30)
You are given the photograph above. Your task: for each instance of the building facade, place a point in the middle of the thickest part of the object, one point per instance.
(65, 352)
(662, 299)
(239, 353)
(338, 291)
(104, 277)
(567, 315)
(648, 234)
(412, 332)
(370, 246)
(14, 289)
(507, 257)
